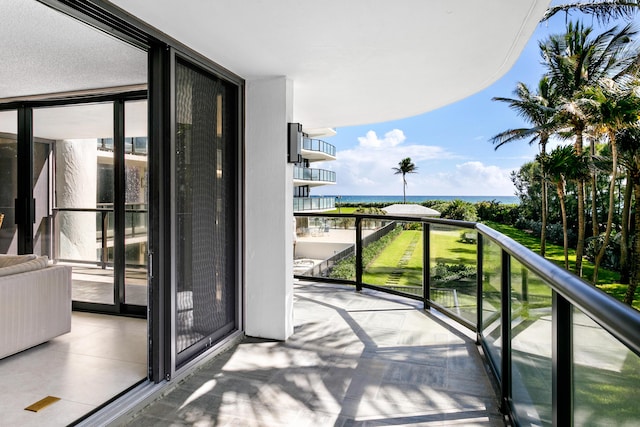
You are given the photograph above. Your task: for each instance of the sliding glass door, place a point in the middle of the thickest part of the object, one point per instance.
(205, 214)
(97, 221)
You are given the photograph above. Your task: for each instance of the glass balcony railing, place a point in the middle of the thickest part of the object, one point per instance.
(563, 352)
(313, 203)
(309, 174)
(318, 145)
(97, 226)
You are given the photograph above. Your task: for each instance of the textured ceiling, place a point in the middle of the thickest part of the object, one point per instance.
(351, 62)
(44, 51)
(355, 61)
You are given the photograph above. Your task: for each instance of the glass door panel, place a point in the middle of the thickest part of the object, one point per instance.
(136, 202)
(204, 215)
(9, 179)
(84, 194)
(42, 242)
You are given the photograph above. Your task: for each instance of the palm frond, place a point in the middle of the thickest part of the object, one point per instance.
(603, 10)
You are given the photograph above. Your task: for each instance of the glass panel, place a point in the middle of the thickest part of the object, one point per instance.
(42, 232)
(136, 203)
(9, 179)
(204, 208)
(606, 377)
(453, 269)
(84, 194)
(392, 254)
(491, 300)
(531, 338)
(325, 247)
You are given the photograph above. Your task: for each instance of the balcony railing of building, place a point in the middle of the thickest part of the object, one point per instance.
(99, 228)
(313, 203)
(318, 145)
(563, 352)
(310, 174)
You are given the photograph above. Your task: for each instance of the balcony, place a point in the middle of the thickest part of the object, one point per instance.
(317, 204)
(313, 177)
(563, 352)
(317, 150)
(363, 358)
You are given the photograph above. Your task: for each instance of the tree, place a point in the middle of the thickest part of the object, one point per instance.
(617, 108)
(538, 110)
(563, 163)
(603, 10)
(405, 166)
(575, 60)
(629, 141)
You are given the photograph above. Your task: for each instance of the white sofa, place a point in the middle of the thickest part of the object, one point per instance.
(35, 302)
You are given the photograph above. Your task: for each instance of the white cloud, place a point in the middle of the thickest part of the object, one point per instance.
(367, 169)
(472, 179)
(391, 139)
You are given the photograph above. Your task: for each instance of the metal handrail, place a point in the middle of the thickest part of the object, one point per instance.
(620, 320)
(617, 318)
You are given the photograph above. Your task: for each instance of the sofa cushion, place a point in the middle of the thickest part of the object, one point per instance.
(8, 260)
(33, 264)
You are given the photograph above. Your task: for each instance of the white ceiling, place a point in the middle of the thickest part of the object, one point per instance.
(44, 51)
(355, 61)
(351, 62)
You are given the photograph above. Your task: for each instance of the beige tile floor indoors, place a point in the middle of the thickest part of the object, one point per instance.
(101, 357)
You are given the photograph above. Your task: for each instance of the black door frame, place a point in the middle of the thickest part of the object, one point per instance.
(161, 50)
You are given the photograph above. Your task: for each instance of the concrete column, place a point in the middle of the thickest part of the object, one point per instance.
(269, 210)
(76, 186)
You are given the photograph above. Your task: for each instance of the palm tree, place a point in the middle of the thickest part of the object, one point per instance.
(538, 110)
(575, 60)
(405, 166)
(564, 164)
(617, 107)
(603, 10)
(629, 141)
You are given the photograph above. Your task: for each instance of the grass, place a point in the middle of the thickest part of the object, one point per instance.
(606, 375)
(608, 281)
(379, 271)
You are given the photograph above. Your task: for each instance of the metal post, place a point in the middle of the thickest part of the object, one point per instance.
(358, 253)
(25, 203)
(562, 361)
(105, 248)
(426, 265)
(479, 284)
(505, 374)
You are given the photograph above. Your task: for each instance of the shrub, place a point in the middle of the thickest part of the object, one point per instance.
(497, 212)
(611, 258)
(445, 273)
(460, 210)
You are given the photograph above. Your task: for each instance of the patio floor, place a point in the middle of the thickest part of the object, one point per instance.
(355, 359)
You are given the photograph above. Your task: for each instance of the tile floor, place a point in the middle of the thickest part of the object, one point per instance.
(355, 359)
(99, 358)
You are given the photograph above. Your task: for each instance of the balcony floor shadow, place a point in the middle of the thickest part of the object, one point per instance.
(356, 358)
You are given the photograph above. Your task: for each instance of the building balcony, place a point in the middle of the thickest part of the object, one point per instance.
(553, 342)
(355, 359)
(317, 150)
(317, 204)
(313, 177)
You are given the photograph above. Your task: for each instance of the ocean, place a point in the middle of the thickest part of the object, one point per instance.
(419, 199)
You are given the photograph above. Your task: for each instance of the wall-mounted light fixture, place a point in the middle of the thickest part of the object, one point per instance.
(295, 143)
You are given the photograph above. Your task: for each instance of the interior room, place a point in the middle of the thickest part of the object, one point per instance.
(75, 79)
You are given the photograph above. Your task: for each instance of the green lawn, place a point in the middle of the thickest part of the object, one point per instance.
(607, 280)
(382, 268)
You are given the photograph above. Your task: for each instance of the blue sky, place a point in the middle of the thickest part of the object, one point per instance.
(450, 146)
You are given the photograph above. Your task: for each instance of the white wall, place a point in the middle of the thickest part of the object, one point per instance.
(268, 210)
